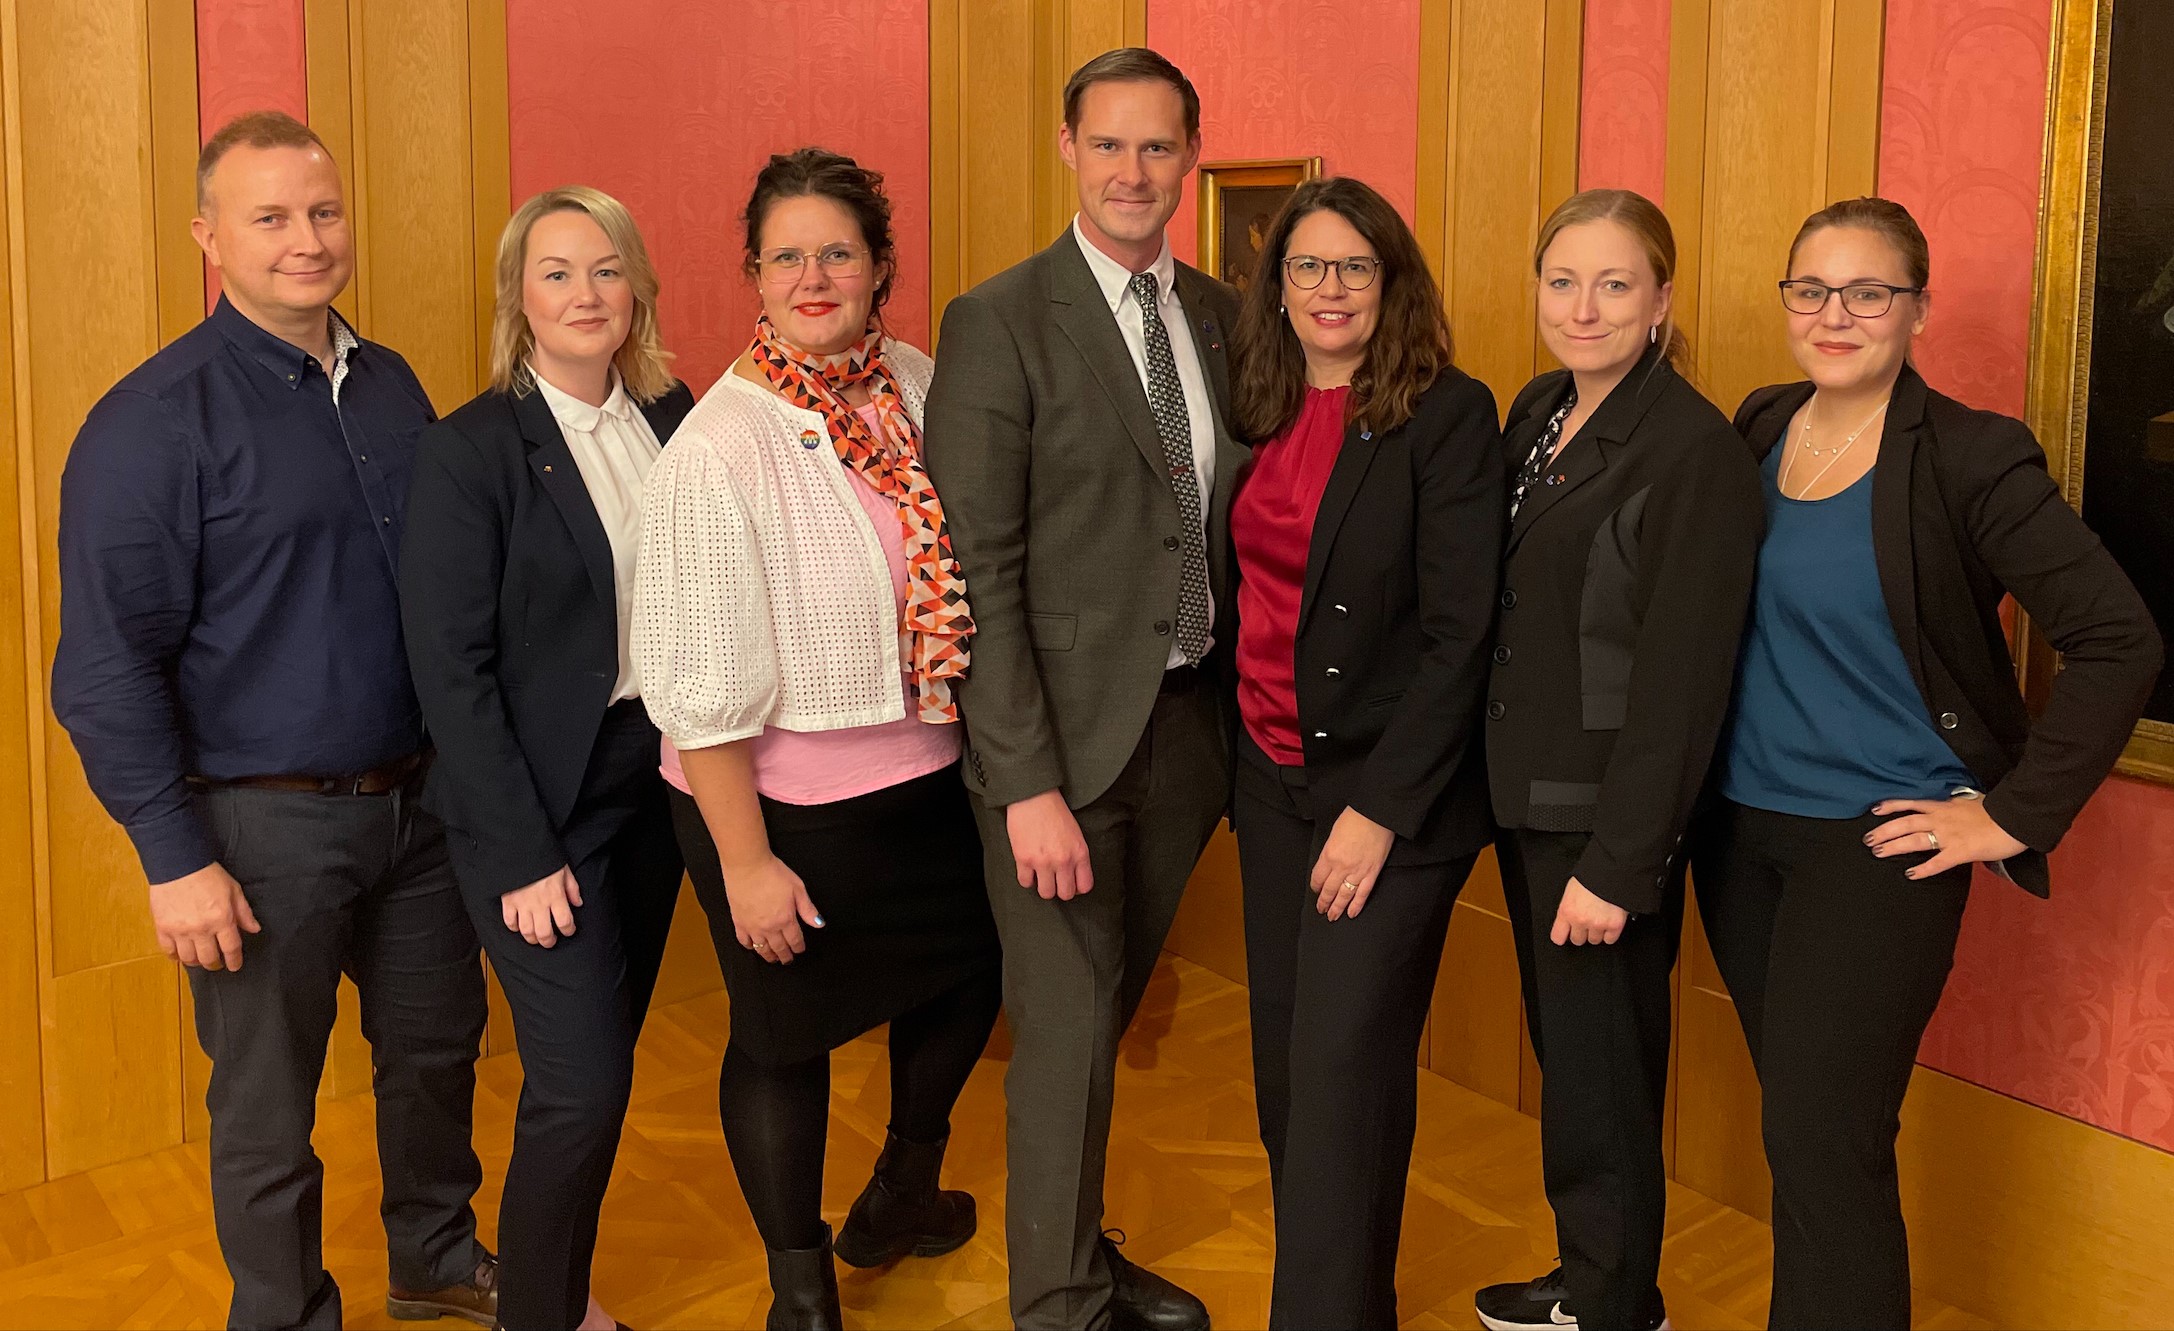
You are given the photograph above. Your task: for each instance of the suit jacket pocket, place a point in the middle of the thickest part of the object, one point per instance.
(1386, 699)
(1052, 633)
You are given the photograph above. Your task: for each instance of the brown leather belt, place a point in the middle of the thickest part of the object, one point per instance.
(376, 781)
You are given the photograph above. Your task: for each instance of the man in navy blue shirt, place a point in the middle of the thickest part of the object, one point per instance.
(231, 669)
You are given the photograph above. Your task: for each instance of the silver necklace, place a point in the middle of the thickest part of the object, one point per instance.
(1833, 455)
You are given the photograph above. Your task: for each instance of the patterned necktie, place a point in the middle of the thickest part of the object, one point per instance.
(1167, 396)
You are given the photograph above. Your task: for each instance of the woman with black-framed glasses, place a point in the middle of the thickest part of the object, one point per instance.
(1368, 533)
(1878, 747)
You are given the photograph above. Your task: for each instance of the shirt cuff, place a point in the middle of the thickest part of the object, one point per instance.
(173, 845)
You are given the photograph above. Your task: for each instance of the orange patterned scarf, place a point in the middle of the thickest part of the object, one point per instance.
(937, 626)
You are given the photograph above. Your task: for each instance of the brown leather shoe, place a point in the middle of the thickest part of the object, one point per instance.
(477, 1300)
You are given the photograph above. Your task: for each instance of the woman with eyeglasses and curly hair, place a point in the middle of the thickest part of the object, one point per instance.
(799, 622)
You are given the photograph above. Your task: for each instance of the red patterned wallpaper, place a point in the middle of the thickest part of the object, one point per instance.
(1962, 129)
(249, 57)
(1623, 100)
(2067, 1003)
(1299, 78)
(672, 105)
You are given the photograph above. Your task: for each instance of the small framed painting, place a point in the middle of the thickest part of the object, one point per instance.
(1238, 201)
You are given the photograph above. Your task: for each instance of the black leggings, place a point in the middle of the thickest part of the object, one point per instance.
(777, 1118)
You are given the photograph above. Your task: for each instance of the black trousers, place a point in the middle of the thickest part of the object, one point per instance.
(1836, 962)
(577, 1010)
(356, 884)
(1599, 1014)
(1074, 974)
(1338, 1009)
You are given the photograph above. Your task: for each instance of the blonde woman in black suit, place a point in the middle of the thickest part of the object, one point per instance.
(1634, 517)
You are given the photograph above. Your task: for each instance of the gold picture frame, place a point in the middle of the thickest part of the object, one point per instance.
(1237, 200)
(2062, 313)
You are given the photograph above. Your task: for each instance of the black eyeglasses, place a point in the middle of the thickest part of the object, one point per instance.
(1357, 273)
(1863, 300)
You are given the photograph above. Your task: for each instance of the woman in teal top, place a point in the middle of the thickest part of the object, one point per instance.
(1878, 746)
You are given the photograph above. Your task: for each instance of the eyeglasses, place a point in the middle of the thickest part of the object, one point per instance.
(1863, 300)
(1306, 272)
(784, 264)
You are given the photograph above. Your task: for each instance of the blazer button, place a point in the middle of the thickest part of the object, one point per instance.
(1342, 611)
(1502, 656)
(1320, 734)
(1509, 599)
(1949, 720)
(1169, 542)
(1496, 711)
(1162, 628)
(1333, 672)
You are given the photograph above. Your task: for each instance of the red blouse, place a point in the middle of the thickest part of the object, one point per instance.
(1271, 521)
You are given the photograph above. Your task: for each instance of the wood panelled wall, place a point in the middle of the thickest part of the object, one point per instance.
(998, 190)
(98, 117)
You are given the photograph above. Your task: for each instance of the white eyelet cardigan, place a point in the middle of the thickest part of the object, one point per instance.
(763, 595)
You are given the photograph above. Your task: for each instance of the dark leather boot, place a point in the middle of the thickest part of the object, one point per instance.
(804, 1289)
(902, 1211)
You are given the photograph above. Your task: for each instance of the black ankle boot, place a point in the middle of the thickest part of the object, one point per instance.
(804, 1289)
(902, 1211)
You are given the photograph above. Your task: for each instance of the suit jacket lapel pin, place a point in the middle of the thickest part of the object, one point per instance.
(1208, 326)
(1557, 479)
(1365, 435)
(809, 439)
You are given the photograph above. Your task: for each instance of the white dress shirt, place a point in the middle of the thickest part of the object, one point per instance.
(1116, 283)
(614, 448)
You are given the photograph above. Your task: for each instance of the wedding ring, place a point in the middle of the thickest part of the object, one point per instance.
(1350, 886)
(1934, 838)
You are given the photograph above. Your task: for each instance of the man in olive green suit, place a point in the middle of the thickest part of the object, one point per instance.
(1076, 431)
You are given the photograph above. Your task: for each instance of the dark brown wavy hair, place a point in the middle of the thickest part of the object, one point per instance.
(1411, 343)
(833, 176)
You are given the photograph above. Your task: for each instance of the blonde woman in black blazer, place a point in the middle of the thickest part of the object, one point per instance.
(1629, 563)
(516, 590)
(1879, 746)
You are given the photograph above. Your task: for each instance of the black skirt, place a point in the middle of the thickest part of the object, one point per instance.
(896, 874)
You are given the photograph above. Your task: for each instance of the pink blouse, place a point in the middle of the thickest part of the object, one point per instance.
(823, 766)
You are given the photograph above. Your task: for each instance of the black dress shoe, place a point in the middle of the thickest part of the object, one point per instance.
(902, 1212)
(1140, 1300)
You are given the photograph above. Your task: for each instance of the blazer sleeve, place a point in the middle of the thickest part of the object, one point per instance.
(2111, 652)
(1700, 543)
(704, 647)
(1461, 505)
(977, 439)
(452, 564)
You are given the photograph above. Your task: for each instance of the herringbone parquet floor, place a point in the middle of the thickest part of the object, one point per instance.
(131, 1245)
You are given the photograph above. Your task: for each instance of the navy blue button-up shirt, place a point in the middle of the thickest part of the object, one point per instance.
(230, 521)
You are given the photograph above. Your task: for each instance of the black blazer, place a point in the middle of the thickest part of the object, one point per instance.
(1964, 512)
(511, 615)
(1394, 623)
(1627, 578)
